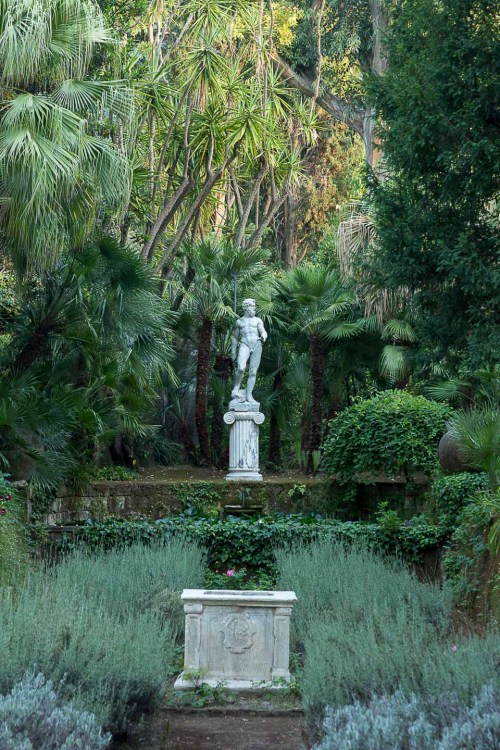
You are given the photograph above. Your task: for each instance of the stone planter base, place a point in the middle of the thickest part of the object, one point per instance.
(239, 638)
(239, 685)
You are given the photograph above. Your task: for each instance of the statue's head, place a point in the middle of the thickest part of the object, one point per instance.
(249, 307)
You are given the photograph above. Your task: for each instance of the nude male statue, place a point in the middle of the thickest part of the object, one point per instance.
(250, 332)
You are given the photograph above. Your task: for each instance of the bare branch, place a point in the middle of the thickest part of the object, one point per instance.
(236, 191)
(332, 104)
(198, 201)
(256, 236)
(240, 234)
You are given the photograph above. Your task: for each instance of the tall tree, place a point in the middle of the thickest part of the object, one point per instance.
(212, 144)
(435, 211)
(335, 46)
(321, 309)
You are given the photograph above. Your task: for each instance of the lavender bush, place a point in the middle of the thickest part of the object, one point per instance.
(32, 718)
(411, 723)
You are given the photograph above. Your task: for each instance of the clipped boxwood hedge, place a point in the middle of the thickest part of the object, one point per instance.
(252, 542)
(393, 432)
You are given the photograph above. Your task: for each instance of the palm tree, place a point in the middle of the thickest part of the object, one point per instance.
(55, 169)
(212, 143)
(207, 291)
(275, 364)
(85, 358)
(477, 434)
(321, 311)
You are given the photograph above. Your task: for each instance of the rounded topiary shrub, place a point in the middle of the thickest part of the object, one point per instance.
(393, 432)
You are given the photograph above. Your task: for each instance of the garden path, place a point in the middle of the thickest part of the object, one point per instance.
(230, 732)
(221, 728)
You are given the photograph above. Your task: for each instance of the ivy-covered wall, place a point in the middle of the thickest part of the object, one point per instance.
(156, 499)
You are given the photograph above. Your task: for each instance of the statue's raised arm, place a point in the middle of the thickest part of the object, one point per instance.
(250, 332)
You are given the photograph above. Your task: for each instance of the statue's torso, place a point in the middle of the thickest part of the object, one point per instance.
(249, 331)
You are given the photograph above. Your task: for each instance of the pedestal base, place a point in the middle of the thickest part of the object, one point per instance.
(244, 476)
(244, 444)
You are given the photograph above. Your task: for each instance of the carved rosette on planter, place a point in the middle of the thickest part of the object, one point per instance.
(244, 420)
(240, 638)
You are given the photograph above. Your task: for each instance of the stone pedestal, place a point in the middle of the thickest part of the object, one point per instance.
(244, 420)
(240, 638)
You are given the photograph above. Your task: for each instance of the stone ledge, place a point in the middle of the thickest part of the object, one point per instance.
(238, 685)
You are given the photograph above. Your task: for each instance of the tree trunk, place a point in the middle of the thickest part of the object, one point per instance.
(290, 240)
(204, 346)
(274, 428)
(36, 346)
(223, 367)
(186, 438)
(317, 368)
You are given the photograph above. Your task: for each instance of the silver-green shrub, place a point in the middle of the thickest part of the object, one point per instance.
(32, 718)
(366, 626)
(413, 723)
(100, 622)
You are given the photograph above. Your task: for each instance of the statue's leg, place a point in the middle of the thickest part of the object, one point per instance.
(254, 366)
(243, 354)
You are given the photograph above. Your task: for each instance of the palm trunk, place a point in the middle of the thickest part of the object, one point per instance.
(274, 428)
(204, 346)
(222, 369)
(290, 238)
(317, 368)
(184, 432)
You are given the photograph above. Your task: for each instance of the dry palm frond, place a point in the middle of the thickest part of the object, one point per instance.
(355, 234)
(357, 238)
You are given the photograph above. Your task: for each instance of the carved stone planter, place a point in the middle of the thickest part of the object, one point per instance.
(240, 638)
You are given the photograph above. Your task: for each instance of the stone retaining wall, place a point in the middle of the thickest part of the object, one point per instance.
(156, 499)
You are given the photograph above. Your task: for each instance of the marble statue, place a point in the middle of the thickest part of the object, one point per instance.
(249, 331)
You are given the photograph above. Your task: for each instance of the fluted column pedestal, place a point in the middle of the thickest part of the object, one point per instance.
(244, 442)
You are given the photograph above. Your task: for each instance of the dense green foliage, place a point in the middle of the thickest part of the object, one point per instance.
(393, 432)
(252, 543)
(32, 717)
(367, 626)
(435, 212)
(106, 623)
(477, 434)
(142, 181)
(83, 362)
(450, 494)
(57, 169)
(466, 560)
(442, 723)
(13, 534)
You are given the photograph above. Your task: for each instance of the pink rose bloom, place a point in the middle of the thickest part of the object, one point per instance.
(230, 573)
(453, 648)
